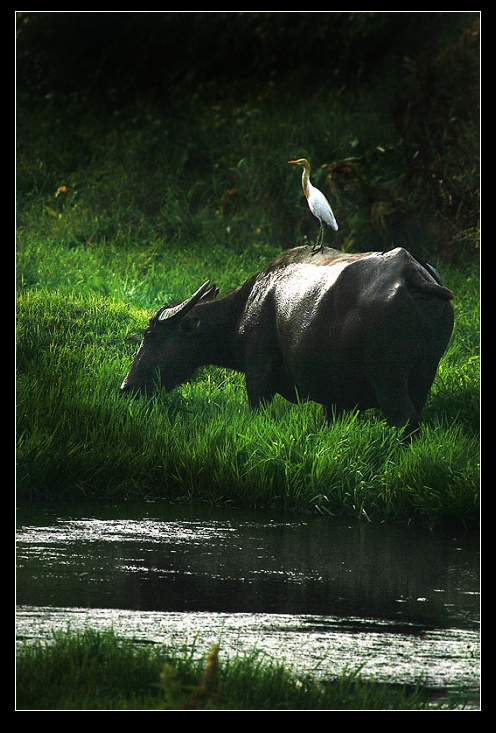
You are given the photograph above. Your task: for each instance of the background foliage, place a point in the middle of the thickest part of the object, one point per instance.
(179, 125)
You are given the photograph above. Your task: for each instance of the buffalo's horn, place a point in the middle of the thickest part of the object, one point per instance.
(205, 292)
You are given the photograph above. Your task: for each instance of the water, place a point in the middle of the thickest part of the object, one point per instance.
(319, 593)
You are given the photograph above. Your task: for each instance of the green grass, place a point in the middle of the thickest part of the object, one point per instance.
(95, 671)
(79, 323)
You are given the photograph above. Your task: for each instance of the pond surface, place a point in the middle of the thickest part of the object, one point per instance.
(319, 593)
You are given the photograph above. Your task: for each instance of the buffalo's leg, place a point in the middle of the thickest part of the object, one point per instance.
(396, 404)
(420, 384)
(258, 397)
(258, 387)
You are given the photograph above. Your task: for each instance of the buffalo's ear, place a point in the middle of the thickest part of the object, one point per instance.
(190, 324)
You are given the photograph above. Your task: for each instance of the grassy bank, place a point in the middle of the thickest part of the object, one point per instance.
(138, 181)
(95, 671)
(80, 320)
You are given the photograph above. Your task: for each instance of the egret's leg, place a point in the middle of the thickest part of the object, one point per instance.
(318, 246)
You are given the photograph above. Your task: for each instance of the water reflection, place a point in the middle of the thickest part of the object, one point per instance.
(166, 558)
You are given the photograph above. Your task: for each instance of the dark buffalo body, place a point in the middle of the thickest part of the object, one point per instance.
(344, 330)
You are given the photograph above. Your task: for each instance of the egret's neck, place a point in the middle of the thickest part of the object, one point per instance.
(305, 180)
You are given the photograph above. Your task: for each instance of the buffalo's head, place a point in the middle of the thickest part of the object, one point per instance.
(170, 350)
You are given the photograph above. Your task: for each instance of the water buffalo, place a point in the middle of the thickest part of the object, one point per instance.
(344, 330)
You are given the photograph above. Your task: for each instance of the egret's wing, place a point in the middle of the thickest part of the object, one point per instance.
(320, 207)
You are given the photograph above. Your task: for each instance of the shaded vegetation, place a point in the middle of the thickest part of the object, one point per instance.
(179, 125)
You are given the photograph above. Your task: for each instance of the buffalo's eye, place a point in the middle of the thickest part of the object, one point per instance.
(149, 334)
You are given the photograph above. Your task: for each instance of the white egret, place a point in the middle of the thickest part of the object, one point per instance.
(317, 202)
